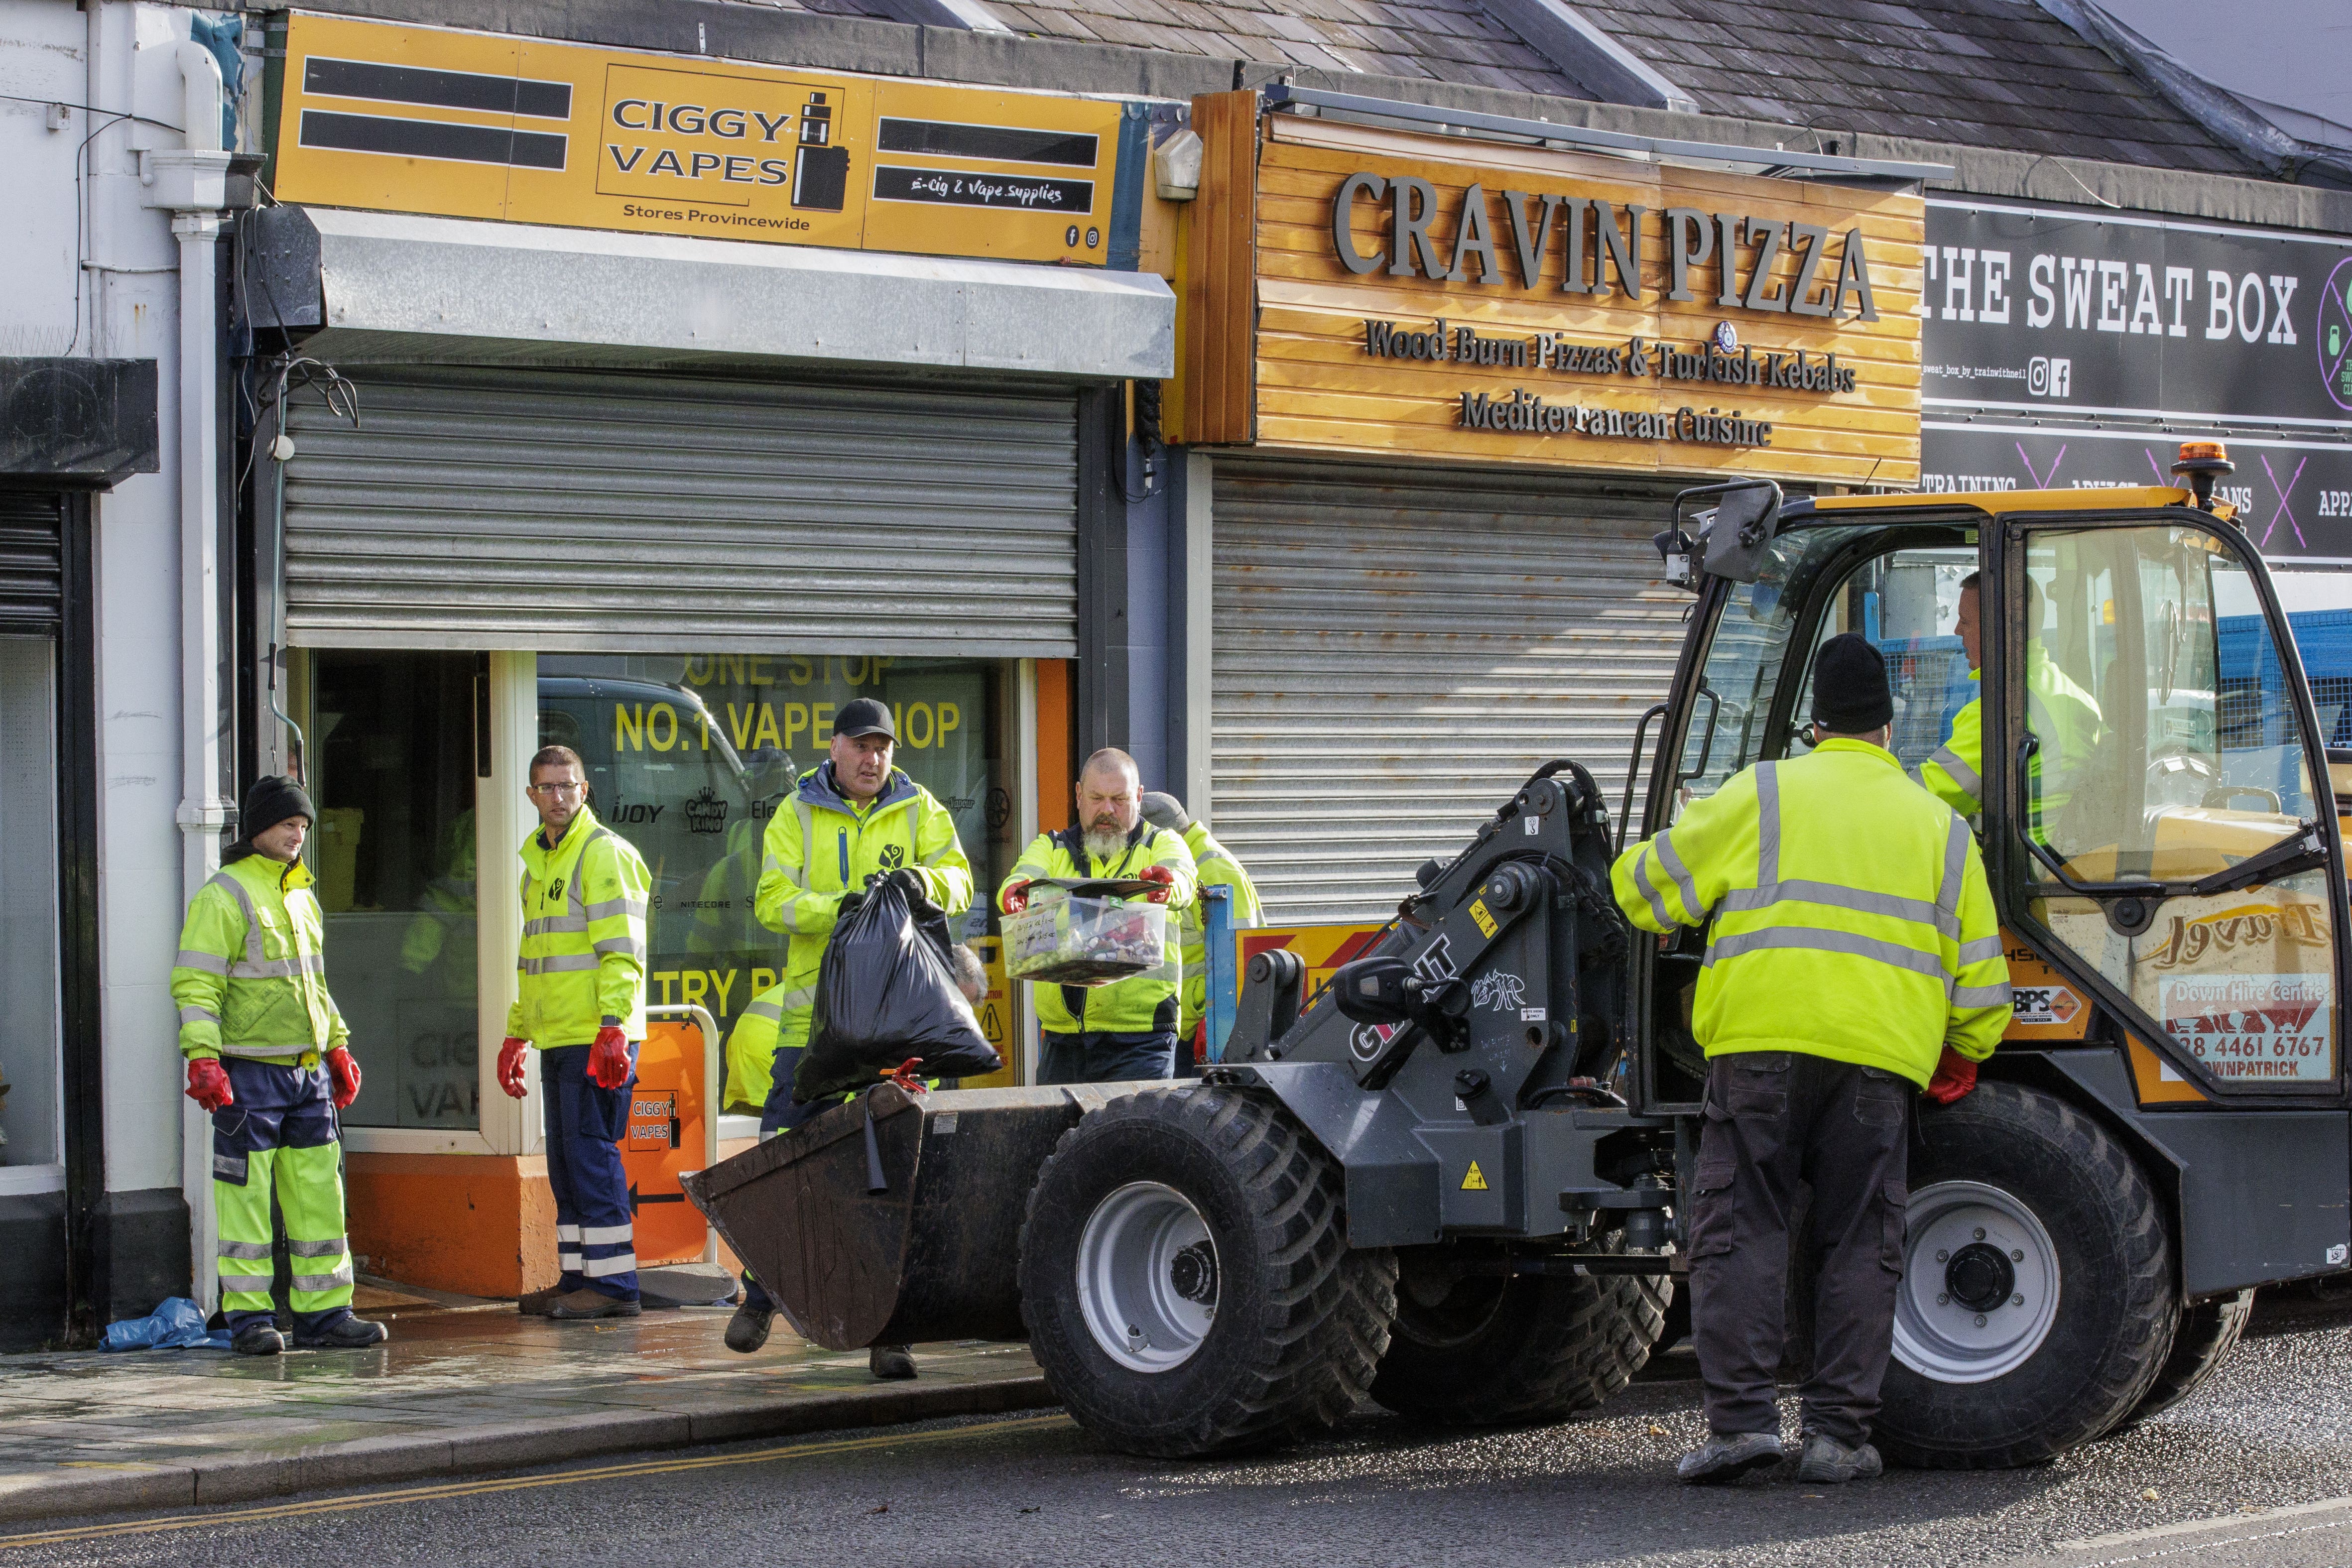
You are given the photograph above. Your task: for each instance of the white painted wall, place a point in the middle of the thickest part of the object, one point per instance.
(114, 57)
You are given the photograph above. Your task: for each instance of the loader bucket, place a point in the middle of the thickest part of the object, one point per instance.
(895, 1218)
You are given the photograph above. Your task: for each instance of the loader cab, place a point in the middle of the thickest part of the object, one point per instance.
(2153, 797)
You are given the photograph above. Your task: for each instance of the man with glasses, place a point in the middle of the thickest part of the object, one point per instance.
(580, 1001)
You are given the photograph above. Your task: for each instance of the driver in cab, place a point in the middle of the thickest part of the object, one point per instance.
(2061, 714)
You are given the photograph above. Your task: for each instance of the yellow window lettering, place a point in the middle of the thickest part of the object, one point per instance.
(800, 670)
(763, 980)
(796, 719)
(766, 734)
(654, 736)
(760, 676)
(691, 984)
(628, 727)
(722, 981)
(951, 720)
(739, 729)
(663, 978)
(820, 718)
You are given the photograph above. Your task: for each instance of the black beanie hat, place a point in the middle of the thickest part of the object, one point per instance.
(1850, 694)
(270, 801)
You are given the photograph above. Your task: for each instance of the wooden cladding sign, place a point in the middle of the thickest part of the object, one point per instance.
(1358, 290)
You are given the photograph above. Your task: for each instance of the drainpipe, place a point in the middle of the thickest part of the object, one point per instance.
(193, 185)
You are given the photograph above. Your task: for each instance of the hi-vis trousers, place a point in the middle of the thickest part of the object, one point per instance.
(280, 1135)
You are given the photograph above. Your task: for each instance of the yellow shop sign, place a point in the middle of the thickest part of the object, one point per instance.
(480, 125)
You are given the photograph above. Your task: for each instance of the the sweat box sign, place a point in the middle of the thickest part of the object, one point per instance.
(477, 125)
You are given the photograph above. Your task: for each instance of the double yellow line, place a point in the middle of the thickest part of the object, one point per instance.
(224, 1518)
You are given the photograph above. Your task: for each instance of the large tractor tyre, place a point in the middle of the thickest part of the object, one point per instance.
(1488, 1350)
(1187, 1282)
(2037, 1303)
(2208, 1332)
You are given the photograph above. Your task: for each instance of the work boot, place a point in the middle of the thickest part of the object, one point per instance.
(747, 1331)
(258, 1339)
(890, 1363)
(1829, 1462)
(1727, 1456)
(346, 1332)
(584, 1303)
(535, 1304)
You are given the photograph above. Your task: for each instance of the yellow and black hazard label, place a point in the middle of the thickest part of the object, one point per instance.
(1474, 1180)
(1479, 913)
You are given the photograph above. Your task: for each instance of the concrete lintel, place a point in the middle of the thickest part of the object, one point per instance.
(578, 291)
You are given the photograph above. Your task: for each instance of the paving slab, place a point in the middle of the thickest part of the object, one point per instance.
(456, 1391)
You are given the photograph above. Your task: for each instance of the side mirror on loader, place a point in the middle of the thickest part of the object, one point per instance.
(1733, 534)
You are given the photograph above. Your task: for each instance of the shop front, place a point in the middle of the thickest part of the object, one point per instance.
(1442, 389)
(735, 394)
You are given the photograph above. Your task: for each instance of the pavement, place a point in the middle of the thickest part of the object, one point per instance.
(460, 1389)
(2254, 1471)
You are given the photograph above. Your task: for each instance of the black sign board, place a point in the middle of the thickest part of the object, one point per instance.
(2295, 497)
(2064, 347)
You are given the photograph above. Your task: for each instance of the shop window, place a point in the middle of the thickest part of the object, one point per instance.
(29, 1085)
(392, 743)
(690, 757)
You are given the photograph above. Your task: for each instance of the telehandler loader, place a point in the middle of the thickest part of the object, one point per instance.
(1452, 1179)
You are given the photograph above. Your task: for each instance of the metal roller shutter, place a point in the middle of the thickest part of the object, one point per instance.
(611, 512)
(32, 560)
(1395, 650)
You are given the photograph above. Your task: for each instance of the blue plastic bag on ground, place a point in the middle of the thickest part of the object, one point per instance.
(177, 1325)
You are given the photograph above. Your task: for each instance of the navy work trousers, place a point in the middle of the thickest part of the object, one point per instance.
(595, 1235)
(1103, 1056)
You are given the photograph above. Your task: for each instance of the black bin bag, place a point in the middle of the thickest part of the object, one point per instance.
(884, 993)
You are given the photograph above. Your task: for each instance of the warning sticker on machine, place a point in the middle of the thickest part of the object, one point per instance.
(2274, 1027)
(2038, 1006)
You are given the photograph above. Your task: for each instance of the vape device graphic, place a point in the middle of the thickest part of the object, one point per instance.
(820, 170)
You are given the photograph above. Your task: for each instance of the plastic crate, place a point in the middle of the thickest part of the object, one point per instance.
(1061, 940)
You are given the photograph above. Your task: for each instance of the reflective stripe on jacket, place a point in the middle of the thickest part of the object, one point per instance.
(251, 977)
(1851, 917)
(1215, 867)
(1139, 1005)
(2060, 713)
(583, 964)
(752, 1048)
(819, 846)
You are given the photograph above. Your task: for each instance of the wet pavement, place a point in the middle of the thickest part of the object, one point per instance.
(2241, 1465)
(454, 1389)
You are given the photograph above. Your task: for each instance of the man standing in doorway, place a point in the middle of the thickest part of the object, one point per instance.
(1127, 1030)
(852, 817)
(273, 1076)
(1215, 866)
(1853, 953)
(580, 1001)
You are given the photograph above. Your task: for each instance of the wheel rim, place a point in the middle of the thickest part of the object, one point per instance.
(1980, 1287)
(1148, 1277)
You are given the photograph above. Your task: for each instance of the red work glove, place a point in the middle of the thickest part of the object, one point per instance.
(208, 1083)
(1955, 1076)
(1015, 897)
(1164, 882)
(510, 1052)
(608, 1059)
(345, 1074)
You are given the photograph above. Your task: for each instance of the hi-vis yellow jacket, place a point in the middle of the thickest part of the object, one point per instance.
(752, 1048)
(820, 846)
(251, 978)
(583, 937)
(1852, 918)
(2061, 714)
(1216, 867)
(1142, 1005)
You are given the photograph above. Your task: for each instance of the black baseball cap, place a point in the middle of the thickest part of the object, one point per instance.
(864, 716)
